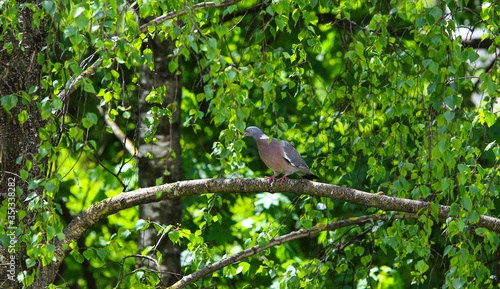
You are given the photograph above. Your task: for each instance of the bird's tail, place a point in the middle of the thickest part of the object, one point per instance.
(310, 176)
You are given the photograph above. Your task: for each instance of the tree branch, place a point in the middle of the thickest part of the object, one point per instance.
(122, 137)
(302, 233)
(104, 208)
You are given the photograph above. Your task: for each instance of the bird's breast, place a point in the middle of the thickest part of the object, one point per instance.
(272, 155)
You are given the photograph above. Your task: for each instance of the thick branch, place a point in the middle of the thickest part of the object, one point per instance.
(112, 205)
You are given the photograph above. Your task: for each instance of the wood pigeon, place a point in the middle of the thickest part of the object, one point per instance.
(281, 157)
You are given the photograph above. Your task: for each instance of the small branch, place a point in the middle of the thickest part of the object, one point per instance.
(75, 81)
(117, 177)
(129, 145)
(302, 233)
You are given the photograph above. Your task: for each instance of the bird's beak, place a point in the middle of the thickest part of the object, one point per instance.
(245, 135)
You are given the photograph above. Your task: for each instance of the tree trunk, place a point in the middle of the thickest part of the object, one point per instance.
(19, 71)
(166, 153)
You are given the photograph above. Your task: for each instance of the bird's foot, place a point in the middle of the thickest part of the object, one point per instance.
(271, 178)
(283, 178)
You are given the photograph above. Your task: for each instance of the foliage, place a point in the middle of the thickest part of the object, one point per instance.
(381, 96)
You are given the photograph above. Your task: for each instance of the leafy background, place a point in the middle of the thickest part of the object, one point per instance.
(382, 96)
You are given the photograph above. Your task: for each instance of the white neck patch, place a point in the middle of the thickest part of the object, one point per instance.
(263, 136)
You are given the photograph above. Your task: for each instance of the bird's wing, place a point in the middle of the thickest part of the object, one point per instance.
(291, 154)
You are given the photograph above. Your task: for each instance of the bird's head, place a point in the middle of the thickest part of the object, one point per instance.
(254, 132)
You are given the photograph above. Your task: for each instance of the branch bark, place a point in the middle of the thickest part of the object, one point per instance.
(104, 208)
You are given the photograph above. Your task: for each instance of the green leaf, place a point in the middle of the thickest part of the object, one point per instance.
(174, 236)
(436, 153)
(24, 175)
(212, 43)
(474, 217)
(231, 74)
(82, 21)
(436, 13)
(422, 266)
(57, 103)
(33, 89)
(434, 67)
(490, 118)
(490, 145)
(466, 202)
(49, 7)
(78, 11)
(44, 134)
(50, 187)
(360, 50)
(243, 267)
(221, 30)
(451, 101)
(262, 240)
(34, 183)
(77, 256)
(267, 86)
(449, 115)
(172, 65)
(22, 116)
(9, 101)
(209, 93)
(89, 254)
(420, 21)
(89, 87)
(147, 250)
(89, 120)
(443, 146)
(139, 225)
(472, 55)
(30, 263)
(458, 283)
(101, 253)
(125, 234)
(462, 168)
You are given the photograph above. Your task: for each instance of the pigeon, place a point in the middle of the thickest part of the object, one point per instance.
(281, 157)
